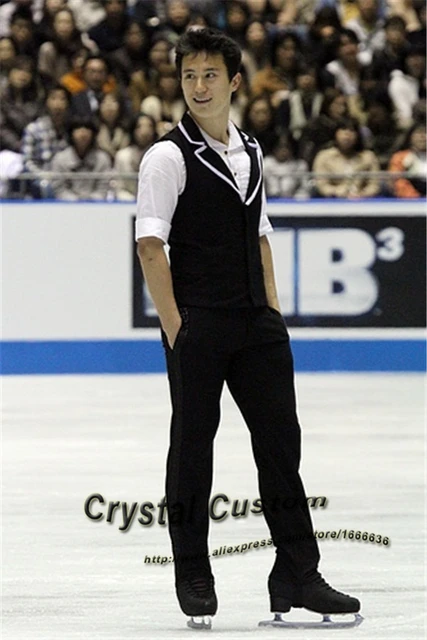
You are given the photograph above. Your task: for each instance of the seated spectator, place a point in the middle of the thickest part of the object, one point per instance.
(280, 77)
(369, 27)
(381, 132)
(113, 134)
(302, 105)
(44, 30)
(81, 156)
(266, 10)
(284, 175)
(96, 73)
(417, 37)
(166, 103)
(347, 68)
(159, 57)
(259, 121)
(296, 12)
(256, 52)
(8, 9)
(143, 135)
(8, 54)
(411, 160)
(21, 103)
(408, 86)
(323, 37)
(149, 13)
(132, 57)
(236, 19)
(55, 56)
(74, 81)
(178, 16)
(23, 32)
(393, 53)
(109, 33)
(88, 13)
(320, 132)
(343, 161)
(404, 9)
(44, 137)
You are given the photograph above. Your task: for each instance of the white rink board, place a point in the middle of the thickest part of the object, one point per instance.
(67, 268)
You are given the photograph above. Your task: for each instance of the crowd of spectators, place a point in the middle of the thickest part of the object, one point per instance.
(334, 89)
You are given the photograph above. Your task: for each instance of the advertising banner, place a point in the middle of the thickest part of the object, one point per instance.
(338, 271)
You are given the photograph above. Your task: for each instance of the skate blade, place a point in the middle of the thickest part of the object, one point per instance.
(200, 622)
(325, 623)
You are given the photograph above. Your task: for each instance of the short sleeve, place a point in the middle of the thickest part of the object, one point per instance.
(161, 181)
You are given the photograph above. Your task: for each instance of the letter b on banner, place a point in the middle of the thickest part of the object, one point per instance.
(334, 275)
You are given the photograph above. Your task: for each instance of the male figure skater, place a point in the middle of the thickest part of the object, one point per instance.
(200, 191)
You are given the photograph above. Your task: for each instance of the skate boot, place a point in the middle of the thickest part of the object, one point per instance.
(314, 594)
(197, 598)
(317, 595)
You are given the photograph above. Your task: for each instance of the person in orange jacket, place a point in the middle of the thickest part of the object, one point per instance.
(412, 161)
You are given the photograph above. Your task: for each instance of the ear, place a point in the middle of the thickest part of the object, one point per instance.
(235, 82)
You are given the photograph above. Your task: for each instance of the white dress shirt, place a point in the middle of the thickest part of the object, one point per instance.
(162, 179)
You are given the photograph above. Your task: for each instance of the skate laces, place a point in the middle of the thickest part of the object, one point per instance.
(321, 582)
(200, 586)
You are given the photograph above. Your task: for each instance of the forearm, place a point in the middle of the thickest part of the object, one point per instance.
(269, 280)
(157, 275)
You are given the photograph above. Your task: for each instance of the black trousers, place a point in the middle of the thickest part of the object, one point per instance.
(249, 350)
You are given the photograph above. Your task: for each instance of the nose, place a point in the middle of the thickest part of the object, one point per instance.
(200, 85)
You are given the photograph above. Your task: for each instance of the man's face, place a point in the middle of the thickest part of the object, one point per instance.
(206, 86)
(95, 74)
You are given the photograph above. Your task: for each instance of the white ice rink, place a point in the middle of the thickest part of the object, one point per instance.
(68, 577)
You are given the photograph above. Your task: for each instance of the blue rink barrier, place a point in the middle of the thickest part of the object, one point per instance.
(146, 356)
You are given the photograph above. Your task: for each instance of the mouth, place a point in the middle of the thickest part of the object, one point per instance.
(201, 100)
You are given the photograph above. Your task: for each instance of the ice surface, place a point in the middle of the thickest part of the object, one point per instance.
(68, 577)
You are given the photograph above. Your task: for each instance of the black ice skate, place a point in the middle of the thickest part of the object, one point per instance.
(316, 595)
(197, 599)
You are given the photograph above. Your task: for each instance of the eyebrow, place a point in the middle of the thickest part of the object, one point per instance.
(208, 69)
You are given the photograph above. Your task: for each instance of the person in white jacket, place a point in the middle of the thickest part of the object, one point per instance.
(408, 86)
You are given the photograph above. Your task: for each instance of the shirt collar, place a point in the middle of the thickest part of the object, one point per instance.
(235, 142)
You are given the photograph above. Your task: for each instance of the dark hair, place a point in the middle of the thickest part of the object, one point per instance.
(396, 22)
(353, 125)
(278, 41)
(78, 122)
(58, 87)
(246, 117)
(24, 63)
(407, 139)
(134, 123)
(97, 56)
(212, 41)
(329, 96)
(104, 2)
(287, 139)
(350, 34)
(22, 13)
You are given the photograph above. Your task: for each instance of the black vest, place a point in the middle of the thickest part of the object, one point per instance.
(214, 254)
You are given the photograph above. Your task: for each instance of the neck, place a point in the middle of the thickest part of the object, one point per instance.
(216, 128)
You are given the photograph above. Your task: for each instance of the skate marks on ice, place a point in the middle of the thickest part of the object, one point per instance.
(64, 577)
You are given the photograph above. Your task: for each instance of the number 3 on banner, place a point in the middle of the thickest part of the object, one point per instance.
(392, 248)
